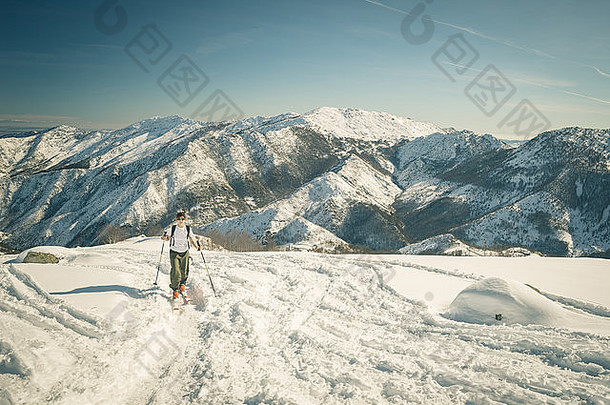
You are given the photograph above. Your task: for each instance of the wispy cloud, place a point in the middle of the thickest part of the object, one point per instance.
(498, 40)
(39, 121)
(471, 31)
(502, 41)
(104, 46)
(598, 70)
(36, 56)
(35, 118)
(386, 6)
(544, 83)
(599, 100)
(210, 45)
(571, 108)
(369, 32)
(20, 58)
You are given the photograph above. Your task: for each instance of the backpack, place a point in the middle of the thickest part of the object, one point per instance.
(171, 236)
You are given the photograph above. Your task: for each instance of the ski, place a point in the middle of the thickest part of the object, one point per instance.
(179, 303)
(176, 304)
(176, 301)
(185, 298)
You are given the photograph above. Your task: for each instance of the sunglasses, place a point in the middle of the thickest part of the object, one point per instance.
(180, 219)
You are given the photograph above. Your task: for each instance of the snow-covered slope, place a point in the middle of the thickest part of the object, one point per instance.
(448, 245)
(429, 155)
(301, 234)
(298, 328)
(552, 195)
(368, 178)
(445, 244)
(329, 202)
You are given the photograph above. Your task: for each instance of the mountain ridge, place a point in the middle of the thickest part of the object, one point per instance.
(65, 185)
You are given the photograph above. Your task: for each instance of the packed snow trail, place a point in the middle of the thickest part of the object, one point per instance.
(286, 328)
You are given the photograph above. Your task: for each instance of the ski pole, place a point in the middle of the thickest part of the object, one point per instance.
(159, 266)
(206, 268)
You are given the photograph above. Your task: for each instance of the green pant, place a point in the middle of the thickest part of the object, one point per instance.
(180, 268)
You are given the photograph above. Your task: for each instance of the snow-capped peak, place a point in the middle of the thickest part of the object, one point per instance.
(160, 123)
(354, 123)
(268, 123)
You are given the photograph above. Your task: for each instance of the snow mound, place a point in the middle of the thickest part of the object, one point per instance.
(57, 251)
(71, 256)
(93, 259)
(517, 303)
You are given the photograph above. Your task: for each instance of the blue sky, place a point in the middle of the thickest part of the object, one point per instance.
(271, 57)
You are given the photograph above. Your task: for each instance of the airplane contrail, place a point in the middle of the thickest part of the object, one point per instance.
(494, 39)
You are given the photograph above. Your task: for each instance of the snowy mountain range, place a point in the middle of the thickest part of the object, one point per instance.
(327, 180)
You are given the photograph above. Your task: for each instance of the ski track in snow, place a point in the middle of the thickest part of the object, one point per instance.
(286, 328)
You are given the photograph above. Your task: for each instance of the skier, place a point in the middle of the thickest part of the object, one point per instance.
(179, 237)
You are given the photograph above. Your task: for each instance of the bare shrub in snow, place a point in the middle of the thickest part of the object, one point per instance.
(111, 234)
(238, 241)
